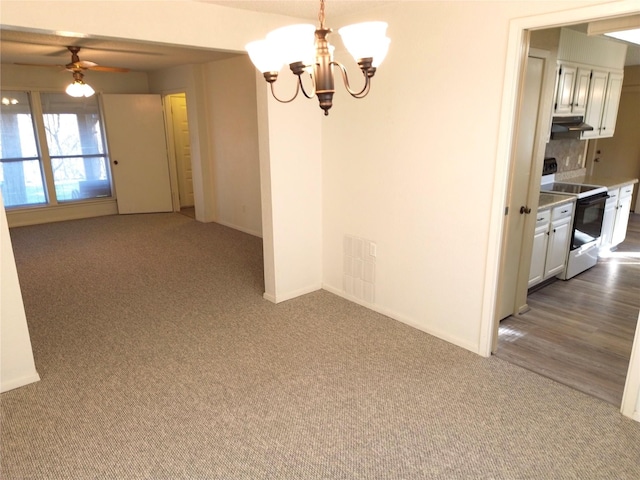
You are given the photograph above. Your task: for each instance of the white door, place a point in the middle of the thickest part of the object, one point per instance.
(182, 147)
(512, 259)
(138, 152)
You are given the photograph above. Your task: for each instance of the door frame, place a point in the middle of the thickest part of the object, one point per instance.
(171, 152)
(515, 58)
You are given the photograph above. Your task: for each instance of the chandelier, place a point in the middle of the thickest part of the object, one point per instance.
(78, 88)
(306, 49)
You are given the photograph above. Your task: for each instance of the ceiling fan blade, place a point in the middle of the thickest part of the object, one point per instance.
(86, 64)
(101, 68)
(39, 65)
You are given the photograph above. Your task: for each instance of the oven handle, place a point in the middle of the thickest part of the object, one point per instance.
(592, 201)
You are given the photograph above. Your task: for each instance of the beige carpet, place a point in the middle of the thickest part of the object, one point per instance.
(160, 360)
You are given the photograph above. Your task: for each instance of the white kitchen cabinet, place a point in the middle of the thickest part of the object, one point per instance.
(602, 103)
(622, 215)
(550, 242)
(559, 236)
(540, 241)
(572, 89)
(611, 104)
(595, 102)
(609, 219)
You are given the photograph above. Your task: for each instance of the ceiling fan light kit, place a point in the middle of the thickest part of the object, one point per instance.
(78, 88)
(306, 49)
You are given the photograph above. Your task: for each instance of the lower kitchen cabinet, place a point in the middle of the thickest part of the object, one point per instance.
(559, 236)
(622, 215)
(550, 243)
(539, 253)
(609, 219)
(616, 217)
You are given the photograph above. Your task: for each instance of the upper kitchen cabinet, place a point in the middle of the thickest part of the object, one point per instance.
(603, 103)
(573, 89)
(611, 104)
(589, 80)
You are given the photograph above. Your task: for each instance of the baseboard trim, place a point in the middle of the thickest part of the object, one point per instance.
(291, 295)
(406, 320)
(7, 385)
(239, 228)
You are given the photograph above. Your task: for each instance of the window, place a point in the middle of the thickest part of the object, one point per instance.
(76, 151)
(73, 162)
(21, 178)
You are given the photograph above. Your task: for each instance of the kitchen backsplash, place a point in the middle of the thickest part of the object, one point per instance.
(569, 153)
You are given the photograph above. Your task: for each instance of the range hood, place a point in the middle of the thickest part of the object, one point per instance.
(568, 127)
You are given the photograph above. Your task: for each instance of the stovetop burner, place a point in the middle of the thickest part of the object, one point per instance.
(576, 189)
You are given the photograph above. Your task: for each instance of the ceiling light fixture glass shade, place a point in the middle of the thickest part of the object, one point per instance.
(366, 39)
(306, 49)
(295, 43)
(264, 57)
(78, 88)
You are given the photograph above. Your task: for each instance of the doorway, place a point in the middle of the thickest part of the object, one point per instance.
(180, 152)
(605, 336)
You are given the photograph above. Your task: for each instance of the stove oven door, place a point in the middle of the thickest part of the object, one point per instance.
(587, 225)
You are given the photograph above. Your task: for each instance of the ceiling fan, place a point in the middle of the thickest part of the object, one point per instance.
(77, 66)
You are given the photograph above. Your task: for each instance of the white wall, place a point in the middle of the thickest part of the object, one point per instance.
(412, 166)
(291, 171)
(221, 106)
(233, 130)
(16, 358)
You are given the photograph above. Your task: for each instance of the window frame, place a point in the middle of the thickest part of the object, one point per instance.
(45, 158)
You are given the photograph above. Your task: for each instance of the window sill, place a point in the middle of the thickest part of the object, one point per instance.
(20, 217)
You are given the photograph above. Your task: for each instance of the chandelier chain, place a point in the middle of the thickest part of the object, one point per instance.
(321, 15)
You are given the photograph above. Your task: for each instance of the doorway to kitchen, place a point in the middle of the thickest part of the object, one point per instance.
(580, 332)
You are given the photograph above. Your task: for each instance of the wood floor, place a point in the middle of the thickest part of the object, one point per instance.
(580, 332)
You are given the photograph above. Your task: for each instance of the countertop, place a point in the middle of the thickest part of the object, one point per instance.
(549, 200)
(609, 182)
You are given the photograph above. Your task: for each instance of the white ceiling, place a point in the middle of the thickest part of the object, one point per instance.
(34, 48)
(302, 8)
(27, 47)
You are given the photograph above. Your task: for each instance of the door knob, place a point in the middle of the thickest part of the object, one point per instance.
(524, 209)
(115, 162)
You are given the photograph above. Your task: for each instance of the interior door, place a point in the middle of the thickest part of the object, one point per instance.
(138, 151)
(523, 165)
(182, 147)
